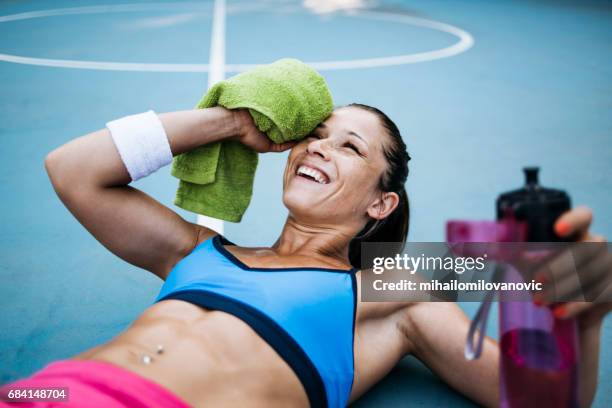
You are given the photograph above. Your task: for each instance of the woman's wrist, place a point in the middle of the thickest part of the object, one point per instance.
(217, 124)
(241, 121)
(592, 320)
(589, 326)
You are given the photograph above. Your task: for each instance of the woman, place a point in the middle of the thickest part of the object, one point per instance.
(343, 182)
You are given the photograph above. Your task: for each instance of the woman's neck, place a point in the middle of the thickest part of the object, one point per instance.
(317, 241)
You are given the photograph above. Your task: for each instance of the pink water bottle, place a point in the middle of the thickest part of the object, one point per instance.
(538, 353)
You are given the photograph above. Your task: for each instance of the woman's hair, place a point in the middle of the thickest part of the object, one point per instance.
(393, 228)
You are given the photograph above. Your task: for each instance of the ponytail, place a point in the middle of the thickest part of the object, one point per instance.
(392, 230)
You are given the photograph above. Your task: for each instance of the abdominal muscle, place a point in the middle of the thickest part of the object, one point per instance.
(209, 358)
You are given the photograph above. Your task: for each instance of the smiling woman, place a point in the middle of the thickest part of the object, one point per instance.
(475, 111)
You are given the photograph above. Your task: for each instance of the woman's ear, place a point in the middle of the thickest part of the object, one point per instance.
(383, 206)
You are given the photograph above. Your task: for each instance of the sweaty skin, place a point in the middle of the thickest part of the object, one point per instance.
(211, 358)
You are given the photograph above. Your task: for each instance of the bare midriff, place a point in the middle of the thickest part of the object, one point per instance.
(207, 358)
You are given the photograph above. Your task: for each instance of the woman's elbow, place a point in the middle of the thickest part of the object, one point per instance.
(52, 164)
(58, 170)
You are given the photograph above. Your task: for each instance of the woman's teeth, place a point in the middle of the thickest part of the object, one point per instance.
(313, 173)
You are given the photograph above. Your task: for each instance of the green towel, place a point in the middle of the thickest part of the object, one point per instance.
(287, 100)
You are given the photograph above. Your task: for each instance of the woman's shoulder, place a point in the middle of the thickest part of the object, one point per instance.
(203, 234)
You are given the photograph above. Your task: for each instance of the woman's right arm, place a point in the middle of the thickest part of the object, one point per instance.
(92, 181)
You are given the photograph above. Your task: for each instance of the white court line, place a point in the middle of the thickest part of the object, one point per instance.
(216, 73)
(103, 9)
(105, 66)
(216, 61)
(466, 41)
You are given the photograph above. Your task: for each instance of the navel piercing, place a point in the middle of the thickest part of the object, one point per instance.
(146, 359)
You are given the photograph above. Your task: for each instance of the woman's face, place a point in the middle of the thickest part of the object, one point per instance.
(332, 175)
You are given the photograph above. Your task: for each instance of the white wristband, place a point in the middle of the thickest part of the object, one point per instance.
(142, 143)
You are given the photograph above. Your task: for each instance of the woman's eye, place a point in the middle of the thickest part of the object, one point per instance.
(352, 147)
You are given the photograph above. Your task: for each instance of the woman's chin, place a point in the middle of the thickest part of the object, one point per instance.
(301, 205)
(304, 193)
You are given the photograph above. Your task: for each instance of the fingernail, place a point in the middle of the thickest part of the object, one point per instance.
(562, 228)
(560, 311)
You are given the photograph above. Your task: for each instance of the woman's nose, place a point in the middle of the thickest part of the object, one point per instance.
(320, 148)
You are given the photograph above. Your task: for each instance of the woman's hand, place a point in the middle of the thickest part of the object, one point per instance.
(250, 136)
(592, 263)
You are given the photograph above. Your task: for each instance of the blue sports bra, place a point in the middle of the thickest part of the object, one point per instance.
(307, 315)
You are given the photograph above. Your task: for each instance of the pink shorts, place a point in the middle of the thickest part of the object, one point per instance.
(93, 384)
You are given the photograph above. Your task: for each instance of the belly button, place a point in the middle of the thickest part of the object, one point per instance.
(147, 359)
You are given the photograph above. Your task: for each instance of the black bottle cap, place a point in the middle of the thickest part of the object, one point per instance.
(537, 206)
(531, 175)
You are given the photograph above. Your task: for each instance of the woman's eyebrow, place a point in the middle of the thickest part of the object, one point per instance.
(320, 127)
(350, 132)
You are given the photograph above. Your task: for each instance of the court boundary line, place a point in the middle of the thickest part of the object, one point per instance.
(466, 41)
(216, 61)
